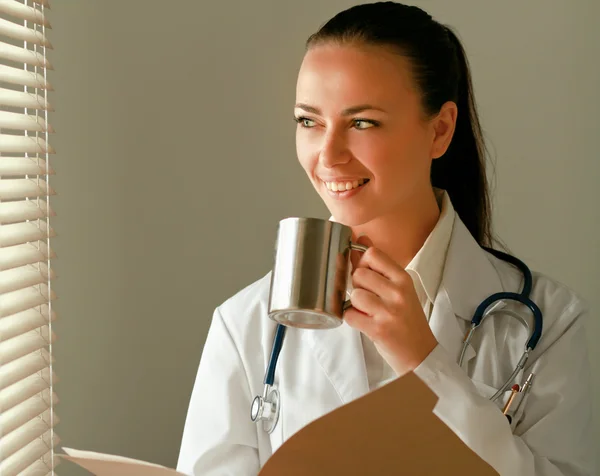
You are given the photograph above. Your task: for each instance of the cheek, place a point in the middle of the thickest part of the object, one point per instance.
(409, 147)
(305, 151)
(398, 157)
(381, 152)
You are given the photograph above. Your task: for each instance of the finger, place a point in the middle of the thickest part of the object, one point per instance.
(367, 302)
(364, 240)
(380, 262)
(372, 281)
(355, 255)
(358, 320)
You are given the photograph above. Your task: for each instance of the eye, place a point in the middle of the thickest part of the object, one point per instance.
(305, 122)
(364, 123)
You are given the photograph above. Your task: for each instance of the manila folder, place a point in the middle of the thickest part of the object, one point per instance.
(390, 431)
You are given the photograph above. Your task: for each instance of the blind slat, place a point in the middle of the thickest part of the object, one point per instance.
(19, 233)
(23, 367)
(30, 342)
(13, 212)
(30, 431)
(26, 388)
(21, 437)
(25, 457)
(24, 56)
(24, 277)
(20, 32)
(25, 321)
(42, 467)
(24, 144)
(23, 77)
(24, 166)
(28, 253)
(17, 301)
(23, 12)
(23, 122)
(11, 98)
(14, 189)
(25, 411)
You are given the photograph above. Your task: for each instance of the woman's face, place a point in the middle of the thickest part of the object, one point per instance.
(360, 119)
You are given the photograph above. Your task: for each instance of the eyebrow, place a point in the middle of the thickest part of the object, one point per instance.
(346, 112)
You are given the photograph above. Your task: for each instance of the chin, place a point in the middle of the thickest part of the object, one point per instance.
(350, 216)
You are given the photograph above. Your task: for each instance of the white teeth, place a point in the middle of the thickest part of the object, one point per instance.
(343, 186)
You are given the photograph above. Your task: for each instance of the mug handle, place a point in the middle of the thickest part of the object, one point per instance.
(356, 247)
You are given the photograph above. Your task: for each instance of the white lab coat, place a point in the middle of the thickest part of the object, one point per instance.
(320, 370)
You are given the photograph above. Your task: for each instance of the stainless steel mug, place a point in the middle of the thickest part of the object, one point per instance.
(308, 282)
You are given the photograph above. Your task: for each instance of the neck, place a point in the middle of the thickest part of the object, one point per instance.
(401, 234)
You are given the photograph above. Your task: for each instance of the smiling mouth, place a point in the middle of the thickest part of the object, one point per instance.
(345, 186)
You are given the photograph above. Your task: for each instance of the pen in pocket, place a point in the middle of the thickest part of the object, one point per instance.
(521, 393)
(515, 390)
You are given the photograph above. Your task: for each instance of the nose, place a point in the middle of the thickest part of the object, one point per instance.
(334, 150)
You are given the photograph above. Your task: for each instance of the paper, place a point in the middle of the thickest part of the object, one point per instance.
(103, 464)
(391, 431)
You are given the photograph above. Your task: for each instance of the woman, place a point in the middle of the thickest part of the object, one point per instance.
(389, 136)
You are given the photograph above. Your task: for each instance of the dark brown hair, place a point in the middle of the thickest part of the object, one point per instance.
(441, 73)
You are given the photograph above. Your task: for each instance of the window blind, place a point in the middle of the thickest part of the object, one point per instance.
(27, 399)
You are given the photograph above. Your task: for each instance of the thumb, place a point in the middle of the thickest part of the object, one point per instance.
(364, 240)
(356, 255)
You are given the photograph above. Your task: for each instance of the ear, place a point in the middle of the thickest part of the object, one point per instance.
(443, 125)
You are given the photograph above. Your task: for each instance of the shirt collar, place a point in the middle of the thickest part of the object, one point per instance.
(427, 266)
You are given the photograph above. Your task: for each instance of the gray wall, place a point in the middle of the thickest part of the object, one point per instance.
(176, 159)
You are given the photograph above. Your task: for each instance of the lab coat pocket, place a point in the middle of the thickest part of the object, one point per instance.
(515, 409)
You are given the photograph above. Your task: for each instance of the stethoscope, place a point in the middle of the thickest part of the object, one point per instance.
(265, 408)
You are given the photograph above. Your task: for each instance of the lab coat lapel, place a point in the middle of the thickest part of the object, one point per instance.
(340, 355)
(469, 277)
(449, 330)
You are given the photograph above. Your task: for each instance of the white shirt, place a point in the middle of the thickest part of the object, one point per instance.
(426, 270)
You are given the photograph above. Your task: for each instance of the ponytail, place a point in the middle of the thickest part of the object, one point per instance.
(461, 170)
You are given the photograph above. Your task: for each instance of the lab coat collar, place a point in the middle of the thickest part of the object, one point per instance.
(469, 276)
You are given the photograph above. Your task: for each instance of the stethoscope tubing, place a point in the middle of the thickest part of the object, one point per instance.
(480, 313)
(275, 350)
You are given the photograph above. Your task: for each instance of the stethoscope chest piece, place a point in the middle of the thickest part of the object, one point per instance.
(265, 408)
